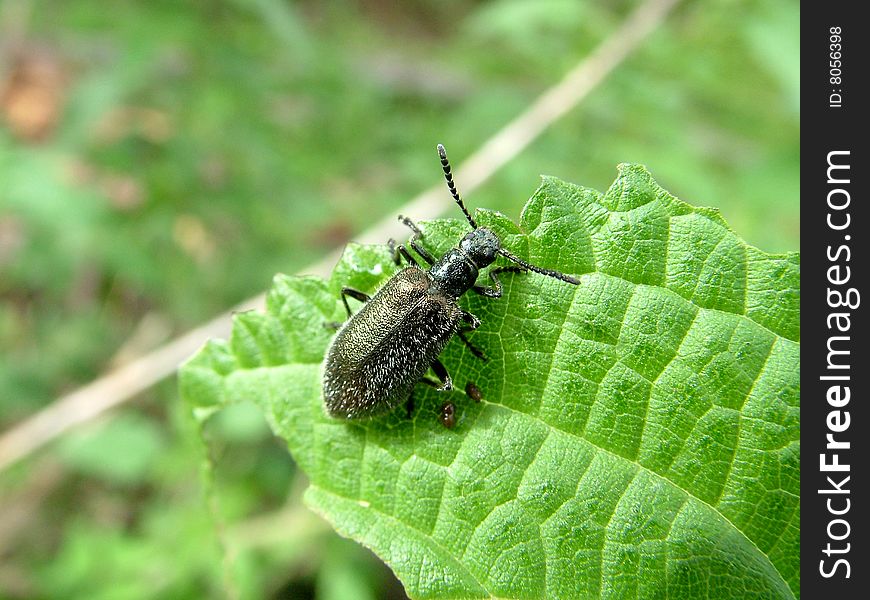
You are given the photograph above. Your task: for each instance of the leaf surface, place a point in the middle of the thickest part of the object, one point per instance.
(638, 435)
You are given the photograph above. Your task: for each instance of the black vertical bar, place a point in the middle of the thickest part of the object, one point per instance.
(834, 230)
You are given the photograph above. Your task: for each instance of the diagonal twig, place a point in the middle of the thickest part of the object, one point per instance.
(121, 384)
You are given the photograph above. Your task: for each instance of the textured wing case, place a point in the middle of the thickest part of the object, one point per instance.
(384, 349)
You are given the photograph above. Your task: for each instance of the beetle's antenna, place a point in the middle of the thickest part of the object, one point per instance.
(529, 267)
(451, 186)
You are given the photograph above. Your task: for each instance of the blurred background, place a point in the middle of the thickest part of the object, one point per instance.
(160, 161)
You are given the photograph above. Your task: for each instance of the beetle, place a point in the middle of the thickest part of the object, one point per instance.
(380, 353)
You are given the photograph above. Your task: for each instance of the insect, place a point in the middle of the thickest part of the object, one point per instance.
(380, 353)
(473, 392)
(448, 415)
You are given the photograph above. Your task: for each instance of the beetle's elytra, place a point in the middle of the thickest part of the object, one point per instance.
(386, 348)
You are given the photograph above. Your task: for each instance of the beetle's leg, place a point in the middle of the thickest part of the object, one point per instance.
(415, 240)
(441, 372)
(471, 323)
(356, 294)
(399, 251)
(422, 252)
(474, 349)
(446, 383)
(495, 291)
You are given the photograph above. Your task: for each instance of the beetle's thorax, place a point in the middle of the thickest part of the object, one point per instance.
(457, 270)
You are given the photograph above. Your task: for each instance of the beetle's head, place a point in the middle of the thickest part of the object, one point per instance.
(481, 245)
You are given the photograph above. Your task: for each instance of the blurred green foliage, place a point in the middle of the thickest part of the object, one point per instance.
(160, 161)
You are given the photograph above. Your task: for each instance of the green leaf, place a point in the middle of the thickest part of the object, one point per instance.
(638, 435)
